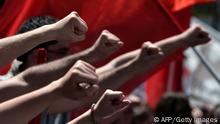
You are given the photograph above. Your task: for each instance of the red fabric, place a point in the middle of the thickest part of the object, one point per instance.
(133, 25)
(155, 87)
(178, 5)
(42, 56)
(180, 18)
(134, 21)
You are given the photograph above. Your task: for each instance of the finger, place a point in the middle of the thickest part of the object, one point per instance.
(117, 101)
(88, 65)
(124, 104)
(81, 64)
(111, 42)
(92, 90)
(90, 79)
(80, 77)
(112, 95)
(87, 70)
(110, 36)
(85, 67)
(203, 35)
(87, 90)
(150, 49)
(205, 40)
(76, 37)
(80, 25)
(114, 48)
(197, 28)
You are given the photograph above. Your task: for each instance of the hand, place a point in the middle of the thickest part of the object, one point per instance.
(195, 36)
(106, 44)
(70, 29)
(149, 51)
(110, 103)
(79, 83)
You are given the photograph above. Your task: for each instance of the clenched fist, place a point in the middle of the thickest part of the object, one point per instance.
(195, 36)
(71, 28)
(149, 51)
(106, 44)
(79, 83)
(110, 103)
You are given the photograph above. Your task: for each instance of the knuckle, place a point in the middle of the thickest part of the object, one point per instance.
(74, 13)
(148, 43)
(75, 72)
(106, 32)
(152, 46)
(77, 66)
(79, 62)
(104, 35)
(108, 92)
(95, 79)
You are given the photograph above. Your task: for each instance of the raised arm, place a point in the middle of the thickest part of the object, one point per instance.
(29, 80)
(138, 62)
(110, 103)
(141, 61)
(144, 63)
(70, 28)
(22, 109)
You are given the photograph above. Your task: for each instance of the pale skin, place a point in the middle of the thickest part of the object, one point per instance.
(72, 26)
(130, 65)
(29, 80)
(168, 46)
(22, 109)
(110, 103)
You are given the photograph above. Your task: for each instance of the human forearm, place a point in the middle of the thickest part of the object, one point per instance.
(22, 109)
(62, 31)
(39, 76)
(55, 68)
(126, 67)
(109, 104)
(119, 71)
(118, 61)
(12, 47)
(105, 45)
(169, 47)
(25, 107)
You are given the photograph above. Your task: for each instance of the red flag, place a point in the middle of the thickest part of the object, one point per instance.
(133, 21)
(178, 5)
(134, 25)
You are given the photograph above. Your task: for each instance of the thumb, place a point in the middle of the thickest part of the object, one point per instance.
(92, 90)
(80, 26)
(124, 104)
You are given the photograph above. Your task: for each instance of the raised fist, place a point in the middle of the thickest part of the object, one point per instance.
(79, 83)
(110, 103)
(195, 36)
(149, 51)
(106, 44)
(70, 29)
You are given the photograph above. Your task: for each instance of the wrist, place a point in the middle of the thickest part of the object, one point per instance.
(55, 89)
(95, 118)
(93, 54)
(49, 32)
(184, 40)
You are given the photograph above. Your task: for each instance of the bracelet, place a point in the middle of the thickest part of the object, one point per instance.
(93, 115)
